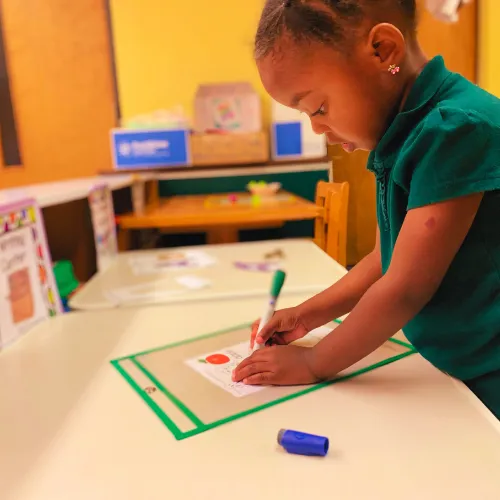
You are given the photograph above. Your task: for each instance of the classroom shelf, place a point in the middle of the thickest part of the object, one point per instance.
(55, 193)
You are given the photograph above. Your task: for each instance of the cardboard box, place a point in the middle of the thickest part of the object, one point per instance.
(229, 149)
(230, 107)
(292, 136)
(134, 149)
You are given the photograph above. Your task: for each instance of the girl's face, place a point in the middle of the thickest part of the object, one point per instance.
(349, 98)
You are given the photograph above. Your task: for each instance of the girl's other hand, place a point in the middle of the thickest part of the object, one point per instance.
(284, 327)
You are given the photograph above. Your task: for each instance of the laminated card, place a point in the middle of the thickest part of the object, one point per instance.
(188, 385)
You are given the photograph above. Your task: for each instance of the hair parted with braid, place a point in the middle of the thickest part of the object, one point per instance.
(330, 22)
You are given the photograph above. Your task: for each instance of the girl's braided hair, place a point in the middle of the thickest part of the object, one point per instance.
(324, 21)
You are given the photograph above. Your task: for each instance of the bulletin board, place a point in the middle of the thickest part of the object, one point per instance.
(170, 379)
(28, 292)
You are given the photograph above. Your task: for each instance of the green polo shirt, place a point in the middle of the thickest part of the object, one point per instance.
(444, 144)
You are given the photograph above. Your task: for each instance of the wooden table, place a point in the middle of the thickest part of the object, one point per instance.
(72, 428)
(308, 269)
(218, 216)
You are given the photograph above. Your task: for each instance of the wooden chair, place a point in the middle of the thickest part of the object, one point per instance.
(330, 230)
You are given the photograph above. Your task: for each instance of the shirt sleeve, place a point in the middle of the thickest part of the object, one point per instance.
(455, 154)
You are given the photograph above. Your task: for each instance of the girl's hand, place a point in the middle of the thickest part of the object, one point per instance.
(284, 327)
(276, 365)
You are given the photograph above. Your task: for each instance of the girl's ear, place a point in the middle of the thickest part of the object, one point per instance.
(387, 45)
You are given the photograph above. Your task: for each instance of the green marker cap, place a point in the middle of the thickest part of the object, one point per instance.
(277, 283)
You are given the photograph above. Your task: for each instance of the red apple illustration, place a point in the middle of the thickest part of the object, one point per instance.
(215, 359)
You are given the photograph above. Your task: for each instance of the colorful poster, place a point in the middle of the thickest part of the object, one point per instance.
(103, 222)
(28, 292)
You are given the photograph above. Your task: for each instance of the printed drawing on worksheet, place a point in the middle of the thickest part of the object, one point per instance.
(218, 367)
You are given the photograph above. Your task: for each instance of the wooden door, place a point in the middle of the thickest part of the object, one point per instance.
(61, 80)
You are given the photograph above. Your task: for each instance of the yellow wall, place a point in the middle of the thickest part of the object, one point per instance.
(165, 48)
(489, 42)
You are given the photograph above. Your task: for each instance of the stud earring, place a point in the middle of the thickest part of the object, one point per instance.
(393, 69)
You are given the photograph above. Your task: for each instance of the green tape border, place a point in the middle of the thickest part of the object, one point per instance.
(200, 426)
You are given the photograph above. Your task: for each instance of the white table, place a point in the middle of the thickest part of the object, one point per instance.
(309, 270)
(72, 428)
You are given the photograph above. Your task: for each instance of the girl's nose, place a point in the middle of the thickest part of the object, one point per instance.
(319, 128)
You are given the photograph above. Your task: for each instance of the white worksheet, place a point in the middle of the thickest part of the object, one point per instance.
(218, 368)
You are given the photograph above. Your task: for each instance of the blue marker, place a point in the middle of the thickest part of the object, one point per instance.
(303, 444)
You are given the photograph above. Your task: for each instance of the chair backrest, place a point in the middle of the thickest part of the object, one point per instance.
(323, 201)
(336, 224)
(330, 229)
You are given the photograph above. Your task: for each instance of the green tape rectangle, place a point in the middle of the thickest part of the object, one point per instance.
(201, 426)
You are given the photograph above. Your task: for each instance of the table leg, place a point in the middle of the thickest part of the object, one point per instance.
(124, 239)
(222, 235)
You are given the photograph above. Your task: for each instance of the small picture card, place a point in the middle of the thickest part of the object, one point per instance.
(170, 260)
(218, 368)
(28, 291)
(103, 221)
(259, 267)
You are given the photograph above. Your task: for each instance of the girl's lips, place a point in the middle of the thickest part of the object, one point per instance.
(348, 147)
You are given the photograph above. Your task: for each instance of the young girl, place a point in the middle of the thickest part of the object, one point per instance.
(356, 68)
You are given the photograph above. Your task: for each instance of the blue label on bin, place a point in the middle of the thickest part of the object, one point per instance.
(150, 148)
(287, 139)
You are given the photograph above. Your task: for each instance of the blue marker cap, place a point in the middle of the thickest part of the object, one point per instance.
(303, 444)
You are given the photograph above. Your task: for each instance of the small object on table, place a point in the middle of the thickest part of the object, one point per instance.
(300, 443)
(262, 267)
(276, 286)
(256, 200)
(263, 189)
(193, 282)
(275, 254)
(66, 281)
(233, 198)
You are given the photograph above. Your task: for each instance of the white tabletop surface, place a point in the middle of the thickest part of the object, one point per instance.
(72, 428)
(308, 269)
(54, 193)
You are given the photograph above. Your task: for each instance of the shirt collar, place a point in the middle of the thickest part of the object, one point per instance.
(424, 89)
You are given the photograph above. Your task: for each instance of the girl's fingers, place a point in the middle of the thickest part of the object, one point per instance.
(291, 336)
(249, 370)
(267, 332)
(255, 327)
(263, 378)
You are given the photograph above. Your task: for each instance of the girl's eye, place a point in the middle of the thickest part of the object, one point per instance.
(321, 111)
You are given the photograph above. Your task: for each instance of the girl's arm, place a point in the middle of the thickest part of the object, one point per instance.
(429, 240)
(426, 245)
(342, 296)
